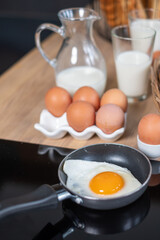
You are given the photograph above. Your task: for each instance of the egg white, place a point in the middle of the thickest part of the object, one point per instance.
(80, 172)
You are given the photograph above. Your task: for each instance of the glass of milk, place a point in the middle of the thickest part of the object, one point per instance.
(148, 18)
(133, 58)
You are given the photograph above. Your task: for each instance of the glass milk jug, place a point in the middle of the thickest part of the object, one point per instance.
(79, 62)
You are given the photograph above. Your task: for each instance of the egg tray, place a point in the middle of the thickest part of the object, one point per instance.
(58, 127)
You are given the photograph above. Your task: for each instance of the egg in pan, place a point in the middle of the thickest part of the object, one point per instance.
(99, 179)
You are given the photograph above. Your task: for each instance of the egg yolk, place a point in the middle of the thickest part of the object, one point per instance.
(106, 183)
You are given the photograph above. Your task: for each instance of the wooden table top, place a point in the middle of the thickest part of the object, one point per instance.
(23, 88)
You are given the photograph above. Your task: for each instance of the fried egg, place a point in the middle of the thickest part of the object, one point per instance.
(99, 179)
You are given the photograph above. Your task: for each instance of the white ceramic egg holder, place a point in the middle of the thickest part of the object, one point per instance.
(152, 151)
(58, 127)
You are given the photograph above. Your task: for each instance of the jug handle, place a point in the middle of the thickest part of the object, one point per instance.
(51, 27)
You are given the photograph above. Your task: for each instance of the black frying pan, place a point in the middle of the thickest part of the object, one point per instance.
(121, 155)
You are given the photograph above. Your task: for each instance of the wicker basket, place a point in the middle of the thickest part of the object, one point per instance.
(155, 82)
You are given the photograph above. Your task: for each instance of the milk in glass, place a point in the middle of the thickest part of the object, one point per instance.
(133, 68)
(152, 23)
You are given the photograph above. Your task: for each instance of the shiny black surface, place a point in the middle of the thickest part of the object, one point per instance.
(24, 167)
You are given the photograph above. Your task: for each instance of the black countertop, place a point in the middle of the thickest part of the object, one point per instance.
(25, 166)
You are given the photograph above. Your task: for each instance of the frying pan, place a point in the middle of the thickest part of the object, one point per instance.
(47, 195)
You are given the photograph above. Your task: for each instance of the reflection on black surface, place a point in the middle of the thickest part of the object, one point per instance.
(155, 166)
(55, 154)
(155, 178)
(97, 222)
(25, 166)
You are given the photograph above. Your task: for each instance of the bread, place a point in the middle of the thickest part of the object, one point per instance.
(116, 11)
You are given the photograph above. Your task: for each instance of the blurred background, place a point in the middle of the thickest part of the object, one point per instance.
(19, 20)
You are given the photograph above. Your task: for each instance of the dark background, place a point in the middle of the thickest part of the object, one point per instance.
(19, 20)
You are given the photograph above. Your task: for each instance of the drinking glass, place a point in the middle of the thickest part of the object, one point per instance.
(149, 18)
(133, 48)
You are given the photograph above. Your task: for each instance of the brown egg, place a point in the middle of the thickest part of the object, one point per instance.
(87, 94)
(80, 115)
(57, 100)
(149, 129)
(115, 96)
(109, 118)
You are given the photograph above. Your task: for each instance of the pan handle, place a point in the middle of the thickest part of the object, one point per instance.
(44, 196)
